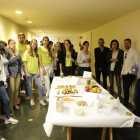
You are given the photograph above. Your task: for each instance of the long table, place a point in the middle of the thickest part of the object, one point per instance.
(90, 119)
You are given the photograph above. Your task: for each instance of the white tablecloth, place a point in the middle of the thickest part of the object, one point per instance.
(90, 118)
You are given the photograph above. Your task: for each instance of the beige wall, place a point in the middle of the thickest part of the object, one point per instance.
(9, 29)
(125, 27)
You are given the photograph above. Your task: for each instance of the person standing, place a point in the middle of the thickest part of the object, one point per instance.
(4, 96)
(15, 70)
(67, 58)
(136, 97)
(32, 69)
(130, 59)
(115, 61)
(57, 59)
(47, 65)
(84, 59)
(21, 48)
(100, 62)
(3, 53)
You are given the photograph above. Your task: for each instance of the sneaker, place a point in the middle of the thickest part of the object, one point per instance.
(16, 107)
(32, 102)
(3, 117)
(42, 102)
(18, 101)
(22, 91)
(27, 97)
(11, 120)
(45, 99)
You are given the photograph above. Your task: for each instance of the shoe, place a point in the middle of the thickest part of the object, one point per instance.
(22, 91)
(18, 101)
(42, 102)
(32, 102)
(27, 97)
(33, 89)
(45, 99)
(3, 117)
(11, 120)
(2, 139)
(16, 107)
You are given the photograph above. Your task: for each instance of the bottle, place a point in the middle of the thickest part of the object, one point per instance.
(134, 70)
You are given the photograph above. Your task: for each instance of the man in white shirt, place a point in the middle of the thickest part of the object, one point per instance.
(130, 59)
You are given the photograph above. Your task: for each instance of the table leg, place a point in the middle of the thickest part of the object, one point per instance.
(69, 133)
(110, 133)
(103, 134)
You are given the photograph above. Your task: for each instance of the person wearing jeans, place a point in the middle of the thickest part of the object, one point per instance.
(130, 59)
(84, 59)
(115, 60)
(30, 60)
(47, 65)
(4, 96)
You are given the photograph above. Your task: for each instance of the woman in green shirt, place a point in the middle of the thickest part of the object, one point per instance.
(30, 60)
(47, 64)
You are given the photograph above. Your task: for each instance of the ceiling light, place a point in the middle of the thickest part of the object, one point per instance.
(39, 30)
(42, 33)
(29, 21)
(18, 12)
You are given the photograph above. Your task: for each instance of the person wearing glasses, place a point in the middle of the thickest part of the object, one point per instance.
(130, 60)
(115, 61)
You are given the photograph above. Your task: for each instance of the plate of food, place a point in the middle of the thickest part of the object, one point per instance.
(83, 103)
(111, 98)
(69, 99)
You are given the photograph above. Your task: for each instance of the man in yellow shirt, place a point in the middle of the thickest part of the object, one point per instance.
(21, 48)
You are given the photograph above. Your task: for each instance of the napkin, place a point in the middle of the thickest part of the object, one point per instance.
(87, 74)
(96, 105)
(75, 81)
(117, 103)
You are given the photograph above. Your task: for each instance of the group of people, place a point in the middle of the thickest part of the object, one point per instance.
(20, 63)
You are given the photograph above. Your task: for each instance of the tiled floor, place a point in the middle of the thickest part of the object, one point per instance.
(26, 130)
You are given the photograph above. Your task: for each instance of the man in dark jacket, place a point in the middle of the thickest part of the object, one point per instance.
(100, 62)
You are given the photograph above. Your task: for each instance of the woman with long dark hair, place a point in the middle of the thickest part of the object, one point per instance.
(115, 61)
(84, 59)
(4, 96)
(57, 59)
(32, 69)
(67, 58)
(47, 64)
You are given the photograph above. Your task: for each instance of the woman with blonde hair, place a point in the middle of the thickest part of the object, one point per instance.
(32, 69)
(47, 65)
(57, 59)
(15, 70)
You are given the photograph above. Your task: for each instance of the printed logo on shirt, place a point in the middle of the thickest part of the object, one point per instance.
(33, 55)
(68, 56)
(44, 52)
(22, 51)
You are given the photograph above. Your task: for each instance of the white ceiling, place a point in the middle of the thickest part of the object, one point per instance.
(61, 18)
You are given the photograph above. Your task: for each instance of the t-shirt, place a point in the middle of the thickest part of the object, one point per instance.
(46, 59)
(114, 56)
(32, 62)
(68, 59)
(21, 49)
